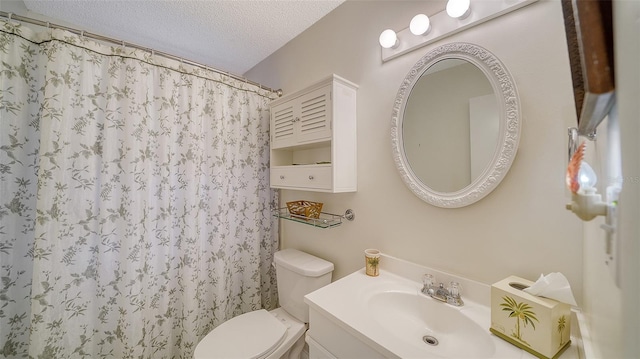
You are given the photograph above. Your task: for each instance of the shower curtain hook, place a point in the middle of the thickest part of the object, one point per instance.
(10, 16)
(82, 35)
(48, 25)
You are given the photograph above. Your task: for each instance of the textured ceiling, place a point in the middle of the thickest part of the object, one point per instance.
(230, 35)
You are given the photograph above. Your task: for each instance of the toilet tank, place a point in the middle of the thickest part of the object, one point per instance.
(299, 274)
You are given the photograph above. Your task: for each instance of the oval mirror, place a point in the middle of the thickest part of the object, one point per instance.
(456, 125)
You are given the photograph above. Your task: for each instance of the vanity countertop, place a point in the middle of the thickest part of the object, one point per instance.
(384, 312)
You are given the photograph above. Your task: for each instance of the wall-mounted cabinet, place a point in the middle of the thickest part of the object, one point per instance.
(313, 138)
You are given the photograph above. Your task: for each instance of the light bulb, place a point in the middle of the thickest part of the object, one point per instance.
(458, 9)
(388, 39)
(587, 176)
(420, 24)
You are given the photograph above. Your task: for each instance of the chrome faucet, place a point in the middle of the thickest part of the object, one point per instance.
(449, 295)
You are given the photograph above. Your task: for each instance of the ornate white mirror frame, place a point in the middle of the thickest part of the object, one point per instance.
(506, 93)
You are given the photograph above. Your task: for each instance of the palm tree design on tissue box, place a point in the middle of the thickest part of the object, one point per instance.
(562, 323)
(522, 312)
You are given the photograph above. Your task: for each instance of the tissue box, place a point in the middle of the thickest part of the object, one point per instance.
(538, 325)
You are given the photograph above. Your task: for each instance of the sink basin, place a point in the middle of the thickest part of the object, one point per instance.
(427, 324)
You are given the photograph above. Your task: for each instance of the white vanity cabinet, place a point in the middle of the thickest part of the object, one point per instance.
(313, 138)
(328, 340)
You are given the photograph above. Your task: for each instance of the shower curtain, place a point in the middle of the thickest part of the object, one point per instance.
(134, 203)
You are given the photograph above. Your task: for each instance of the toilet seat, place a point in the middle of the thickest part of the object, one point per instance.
(252, 335)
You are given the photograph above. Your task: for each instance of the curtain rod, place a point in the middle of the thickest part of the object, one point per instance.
(12, 16)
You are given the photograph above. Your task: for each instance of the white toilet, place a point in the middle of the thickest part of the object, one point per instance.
(278, 334)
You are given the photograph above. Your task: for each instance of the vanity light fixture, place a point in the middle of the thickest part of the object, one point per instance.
(458, 9)
(424, 29)
(389, 39)
(420, 25)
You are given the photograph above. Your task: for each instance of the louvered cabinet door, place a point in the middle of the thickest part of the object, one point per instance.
(283, 121)
(313, 121)
(302, 120)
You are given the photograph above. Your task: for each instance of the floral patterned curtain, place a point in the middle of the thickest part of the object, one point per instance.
(134, 203)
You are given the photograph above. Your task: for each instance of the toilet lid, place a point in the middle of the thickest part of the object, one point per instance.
(251, 335)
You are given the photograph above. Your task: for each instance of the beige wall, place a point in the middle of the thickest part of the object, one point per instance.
(522, 228)
(627, 30)
(625, 329)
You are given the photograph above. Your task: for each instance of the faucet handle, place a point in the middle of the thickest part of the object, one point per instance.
(454, 298)
(455, 289)
(428, 280)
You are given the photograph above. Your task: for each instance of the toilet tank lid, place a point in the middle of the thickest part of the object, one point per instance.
(302, 263)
